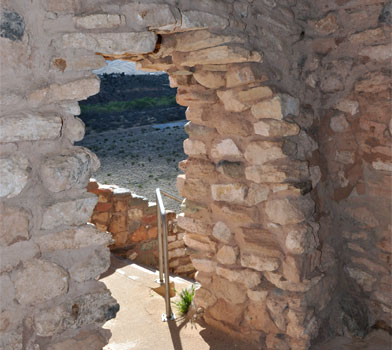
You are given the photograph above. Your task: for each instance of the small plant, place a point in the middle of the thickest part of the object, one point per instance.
(140, 186)
(186, 298)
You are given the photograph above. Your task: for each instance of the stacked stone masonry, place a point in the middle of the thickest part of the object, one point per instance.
(287, 181)
(132, 222)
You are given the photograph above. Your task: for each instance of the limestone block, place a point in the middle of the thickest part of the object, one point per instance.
(98, 21)
(194, 148)
(233, 193)
(226, 311)
(210, 80)
(198, 131)
(16, 253)
(66, 6)
(256, 261)
(39, 281)
(192, 225)
(258, 295)
(289, 211)
(339, 123)
(326, 25)
(216, 55)
(222, 233)
(227, 255)
(7, 292)
(246, 277)
(12, 340)
(112, 43)
(377, 53)
(196, 190)
(373, 82)
(200, 39)
(76, 90)
(29, 128)
(260, 152)
(241, 100)
(78, 63)
(275, 128)
(348, 106)
(204, 298)
(225, 149)
(14, 175)
(74, 212)
(161, 17)
(271, 109)
(232, 169)
(383, 166)
(195, 95)
(257, 194)
(199, 243)
(258, 318)
(244, 74)
(14, 225)
(232, 292)
(75, 238)
(304, 286)
(48, 322)
(70, 170)
(74, 129)
(84, 340)
(198, 19)
(204, 265)
(301, 239)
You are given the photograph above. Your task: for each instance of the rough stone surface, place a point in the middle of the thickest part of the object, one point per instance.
(14, 174)
(14, 225)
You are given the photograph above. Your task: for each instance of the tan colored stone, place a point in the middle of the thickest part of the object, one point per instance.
(246, 277)
(222, 232)
(256, 194)
(67, 6)
(210, 80)
(275, 128)
(260, 152)
(278, 281)
(377, 53)
(326, 25)
(18, 252)
(112, 43)
(84, 340)
(232, 193)
(194, 148)
(362, 216)
(243, 74)
(29, 127)
(98, 21)
(373, 82)
(204, 298)
(271, 109)
(348, 106)
(198, 19)
(364, 279)
(383, 166)
(225, 149)
(232, 292)
(14, 225)
(258, 318)
(369, 36)
(192, 225)
(65, 171)
(14, 175)
(286, 211)
(216, 55)
(256, 261)
(227, 312)
(73, 212)
(79, 237)
(227, 255)
(204, 265)
(79, 63)
(49, 322)
(40, 281)
(199, 243)
(339, 123)
(345, 157)
(301, 239)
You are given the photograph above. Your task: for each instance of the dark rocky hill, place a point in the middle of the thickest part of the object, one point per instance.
(130, 100)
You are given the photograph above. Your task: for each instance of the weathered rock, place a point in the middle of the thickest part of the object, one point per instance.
(227, 255)
(246, 277)
(79, 237)
(258, 317)
(222, 233)
(75, 129)
(348, 106)
(211, 80)
(198, 19)
(74, 212)
(51, 321)
(29, 128)
(225, 149)
(84, 340)
(204, 265)
(112, 43)
(243, 74)
(18, 252)
(7, 292)
(216, 55)
(289, 211)
(200, 243)
(98, 21)
(363, 216)
(14, 225)
(39, 281)
(232, 292)
(233, 193)
(271, 109)
(12, 25)
(301, 239)
(226, 311)
(339, 123)
(72, 170)
(14, 175)
(194, 148)
(256, 194)
(160, 17)
(260, 152)
(326, 25)
(192, 225)
(364, 279)
(275, 128)
(204, 298)
(256, 261)
(232, 169)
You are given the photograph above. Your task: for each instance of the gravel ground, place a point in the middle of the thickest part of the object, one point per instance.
(141, 158)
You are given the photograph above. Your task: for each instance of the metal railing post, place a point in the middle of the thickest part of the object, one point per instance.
(159, 222)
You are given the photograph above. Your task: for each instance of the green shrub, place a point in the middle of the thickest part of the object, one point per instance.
(186, 298)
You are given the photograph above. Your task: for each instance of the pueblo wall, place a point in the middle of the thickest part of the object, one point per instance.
(287, 181)
(132, 222)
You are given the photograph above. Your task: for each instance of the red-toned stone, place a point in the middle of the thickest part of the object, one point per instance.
(103, 207)
(118, 223)
(139, 235)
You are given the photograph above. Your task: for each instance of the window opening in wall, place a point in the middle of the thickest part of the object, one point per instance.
(136, 128)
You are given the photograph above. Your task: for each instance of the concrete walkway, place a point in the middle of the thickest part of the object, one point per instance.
(138, 324)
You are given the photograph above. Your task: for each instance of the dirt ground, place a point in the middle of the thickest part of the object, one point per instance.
(141, 158)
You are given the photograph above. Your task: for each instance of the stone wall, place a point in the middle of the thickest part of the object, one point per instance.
(287, 181)
(132, 222)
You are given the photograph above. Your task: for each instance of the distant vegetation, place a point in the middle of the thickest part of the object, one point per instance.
(137, 104)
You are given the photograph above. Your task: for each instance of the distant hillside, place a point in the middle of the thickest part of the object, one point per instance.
(126, 101)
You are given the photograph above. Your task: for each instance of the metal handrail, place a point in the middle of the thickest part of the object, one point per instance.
(163, 248)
